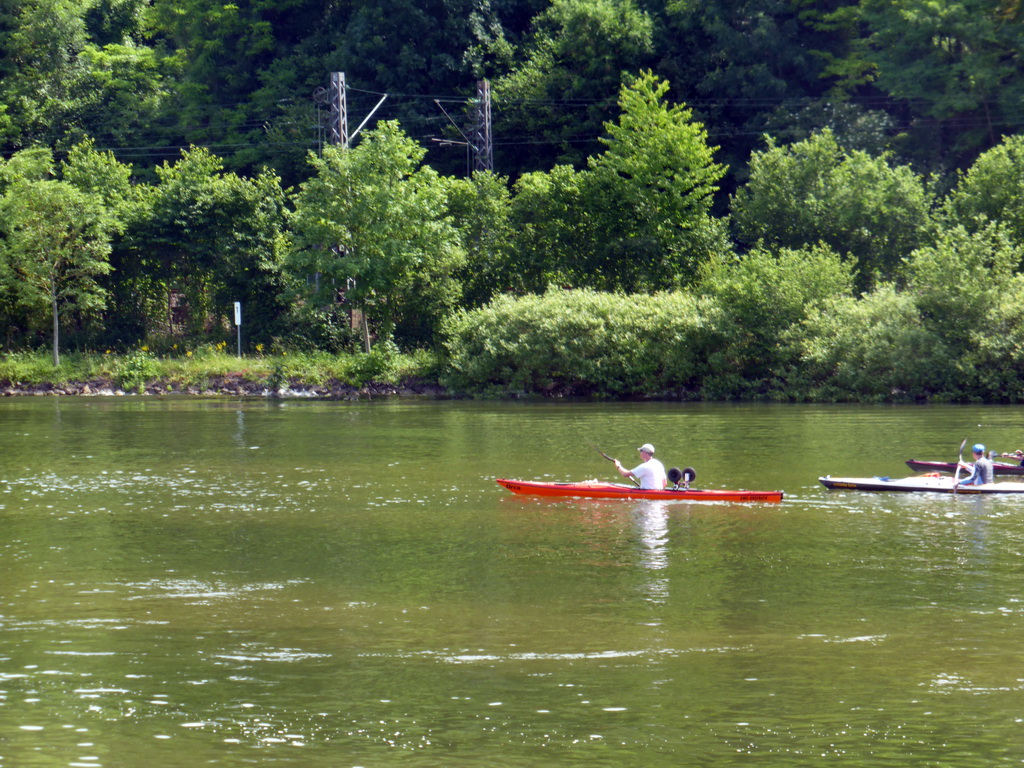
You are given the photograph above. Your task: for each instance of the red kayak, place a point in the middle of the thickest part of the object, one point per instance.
(597, 490)
(1000, 468)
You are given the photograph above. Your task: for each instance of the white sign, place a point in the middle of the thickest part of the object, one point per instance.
(238, 313)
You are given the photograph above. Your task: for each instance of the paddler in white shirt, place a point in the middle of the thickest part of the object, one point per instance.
(650, 473)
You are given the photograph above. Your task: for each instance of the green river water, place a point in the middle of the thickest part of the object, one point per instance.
(191, 582)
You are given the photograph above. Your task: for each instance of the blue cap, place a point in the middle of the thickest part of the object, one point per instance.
(978, 448)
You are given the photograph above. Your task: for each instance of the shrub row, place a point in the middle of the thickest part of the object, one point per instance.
(771, 328)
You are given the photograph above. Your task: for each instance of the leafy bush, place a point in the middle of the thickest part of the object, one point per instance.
(997, 360)
(379, 365)
(757, 300)
(958, 282)
(876, 348)
(578, 343)
(135, 370)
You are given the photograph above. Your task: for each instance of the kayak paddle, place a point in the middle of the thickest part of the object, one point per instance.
(613, 461)
(956, 475)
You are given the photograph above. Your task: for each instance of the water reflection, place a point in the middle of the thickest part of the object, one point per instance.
(240, 429)
(652, 519)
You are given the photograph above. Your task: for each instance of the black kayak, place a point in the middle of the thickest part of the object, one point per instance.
(1000, 468)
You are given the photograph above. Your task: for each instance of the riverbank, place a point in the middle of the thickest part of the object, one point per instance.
(230, 385)
(211, 372)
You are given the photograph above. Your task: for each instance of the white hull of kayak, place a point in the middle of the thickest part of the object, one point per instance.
(917, 485)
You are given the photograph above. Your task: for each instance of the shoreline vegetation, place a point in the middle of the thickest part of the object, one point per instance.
(213, 372)
(835, 276)
(857, 237)
(771, 328)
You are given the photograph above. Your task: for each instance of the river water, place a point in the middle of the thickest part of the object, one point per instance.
(324, 584)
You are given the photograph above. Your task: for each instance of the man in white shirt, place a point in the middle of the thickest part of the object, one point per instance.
(650, 473)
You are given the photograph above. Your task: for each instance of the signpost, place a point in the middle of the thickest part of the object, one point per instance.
(238, 325)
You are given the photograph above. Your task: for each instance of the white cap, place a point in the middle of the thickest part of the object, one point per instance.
(647, 448)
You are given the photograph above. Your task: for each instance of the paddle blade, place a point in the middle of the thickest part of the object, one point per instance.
(956, 475)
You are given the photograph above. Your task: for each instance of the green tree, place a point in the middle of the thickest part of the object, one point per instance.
(171, 242)
(119, 95)
(992, 189)
(99, 173)
(481, 209)
(573, 65)
(650, 192)
(33, 164)
(72, 69)
(958, 282)
(550, 246)
(638, 219)
(55, 245)
(215, 237)
(371, 222)
(755, 67)
(954, 66)
(38, 60)
(815, 191)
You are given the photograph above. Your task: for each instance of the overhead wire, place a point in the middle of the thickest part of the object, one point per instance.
(421, 125)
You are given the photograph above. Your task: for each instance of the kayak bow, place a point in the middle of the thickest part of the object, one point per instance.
(599, 490)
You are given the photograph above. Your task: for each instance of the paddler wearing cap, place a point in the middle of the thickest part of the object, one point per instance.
(981, 472)
(650, 473)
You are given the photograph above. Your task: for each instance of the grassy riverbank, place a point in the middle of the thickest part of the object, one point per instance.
(213, 370)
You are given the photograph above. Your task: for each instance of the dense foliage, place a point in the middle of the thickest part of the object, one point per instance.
(757, 198)
(935, 82)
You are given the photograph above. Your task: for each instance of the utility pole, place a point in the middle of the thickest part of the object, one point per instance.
(478, 145)
(337, 98)
(483, 148)
(338, 132)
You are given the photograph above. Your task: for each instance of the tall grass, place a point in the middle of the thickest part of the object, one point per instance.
(199, 367)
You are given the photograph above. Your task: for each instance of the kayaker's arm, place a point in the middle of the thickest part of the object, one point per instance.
(969, 480)
(627, 473)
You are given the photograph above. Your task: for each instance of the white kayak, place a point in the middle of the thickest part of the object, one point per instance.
(918, 484)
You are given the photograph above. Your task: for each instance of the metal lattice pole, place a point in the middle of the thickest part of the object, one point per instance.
(483, 148)
(338, 132)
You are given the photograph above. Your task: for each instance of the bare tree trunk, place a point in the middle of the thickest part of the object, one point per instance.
(56, 333)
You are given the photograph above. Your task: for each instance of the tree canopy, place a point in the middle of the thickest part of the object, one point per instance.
(55, 246)
(371, 226)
